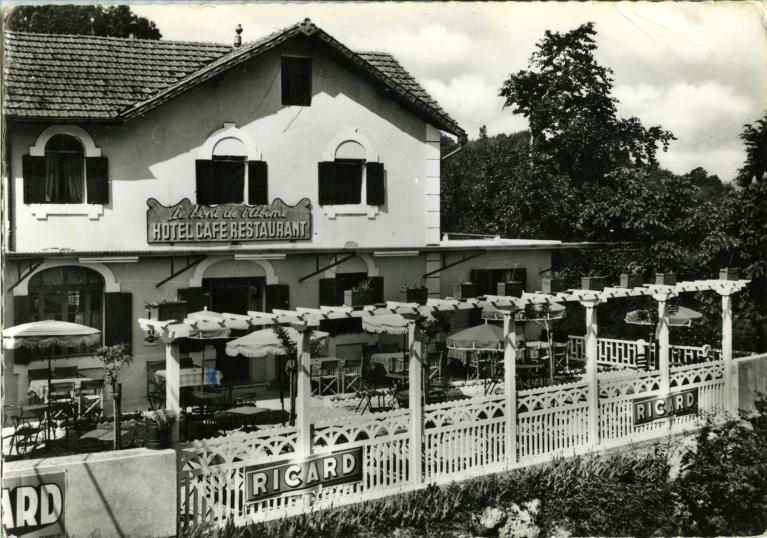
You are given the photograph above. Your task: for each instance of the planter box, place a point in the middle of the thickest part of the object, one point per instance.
(464, 291)
(665, 279)
(415, 295)
(552, 285)
(513, 288)
(593, 283)
(729, 274)
(631, 280)
(172, 311)
(358, 297)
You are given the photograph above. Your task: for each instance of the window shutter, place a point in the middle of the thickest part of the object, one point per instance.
(376, 193)
(258, 183)
(482, 278)
(118, 319)
(206, 189)
(33, 170)
(195, 298)
(277, 296)
(327, 183)
(377, 285)
(329, 292)
(97, 180)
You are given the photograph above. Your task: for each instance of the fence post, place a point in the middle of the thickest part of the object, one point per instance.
(173, 386)
(415, 371)
(303, 393)
(591, 368)
(510, 386)
(730, 399)
(663, 342)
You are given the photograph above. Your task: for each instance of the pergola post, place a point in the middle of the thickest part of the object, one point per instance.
(591, 368)
(303, 394)
(663, 343)
(415, 367)
(730, 395)
(510, 386)
(173, 385)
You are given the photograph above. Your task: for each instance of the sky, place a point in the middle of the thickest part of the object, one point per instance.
(698, 69)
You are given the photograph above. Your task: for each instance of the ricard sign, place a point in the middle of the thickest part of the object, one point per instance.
(33, 506)
(675, 404)
(186, 222)
(286, 477)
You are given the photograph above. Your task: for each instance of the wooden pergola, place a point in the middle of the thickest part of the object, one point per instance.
(304, 319)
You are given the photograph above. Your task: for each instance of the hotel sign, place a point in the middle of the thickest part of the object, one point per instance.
(186, 222)
(33, 505)
(286, 477)
(675, 404)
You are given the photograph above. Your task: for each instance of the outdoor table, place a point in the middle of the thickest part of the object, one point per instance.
(391, 361)
(39, 387)
(399, 376)
(244, 414)
(192, 377)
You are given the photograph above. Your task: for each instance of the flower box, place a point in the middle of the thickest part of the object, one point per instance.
(416, 295)
(465, 290)
(358, 297)
(727, 273)
(631, 280)
(513, 288)
(593, 283)
(665, 279)
(552, 285)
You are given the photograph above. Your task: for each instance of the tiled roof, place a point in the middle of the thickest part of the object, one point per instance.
(74, 76)
(100, 78)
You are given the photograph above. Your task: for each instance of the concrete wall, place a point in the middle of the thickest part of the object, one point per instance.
(752, 379)
(123, 493)
(154, 157)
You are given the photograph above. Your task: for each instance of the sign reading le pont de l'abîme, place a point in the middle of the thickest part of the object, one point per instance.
(186, 222)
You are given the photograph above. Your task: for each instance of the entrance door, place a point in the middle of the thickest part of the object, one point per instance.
(234, 295)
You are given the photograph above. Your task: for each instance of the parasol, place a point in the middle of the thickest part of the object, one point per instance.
(495, 313)
(387, 324)
(265, 342)
(681, 317)
(47, 334)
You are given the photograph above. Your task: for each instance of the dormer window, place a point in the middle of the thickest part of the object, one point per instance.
(296, 81)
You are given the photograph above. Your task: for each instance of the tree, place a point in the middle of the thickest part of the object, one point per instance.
(565, 95)
(114, 21)
(754, 136)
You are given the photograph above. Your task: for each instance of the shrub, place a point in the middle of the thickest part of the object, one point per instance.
(722, 488)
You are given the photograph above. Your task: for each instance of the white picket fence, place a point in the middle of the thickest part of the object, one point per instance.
(461, 439)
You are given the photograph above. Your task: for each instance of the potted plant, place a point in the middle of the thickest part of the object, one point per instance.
(633, 278)
(360, 295)
(464, 290)
(513, 288)
(727, 273)
(158, 425)
(593, 283)
(554, 283)
(113, 358)
(665, 279)
(415, 293)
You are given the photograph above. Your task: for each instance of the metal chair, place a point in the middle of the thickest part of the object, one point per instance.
(26, 436)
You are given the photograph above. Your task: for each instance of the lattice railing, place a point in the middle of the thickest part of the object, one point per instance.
(333, 432)
(463, 435)
(623, 353)
(551, 419)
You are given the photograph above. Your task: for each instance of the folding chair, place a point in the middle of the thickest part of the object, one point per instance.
(560, 356)
(91, 397)
(61, 399)
(351, 374)
(329, 378)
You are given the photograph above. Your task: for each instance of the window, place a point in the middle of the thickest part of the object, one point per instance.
(296, 81)
(64, 170)
(64, 175)
(71, 294)
(221, 179)
(349, 179)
